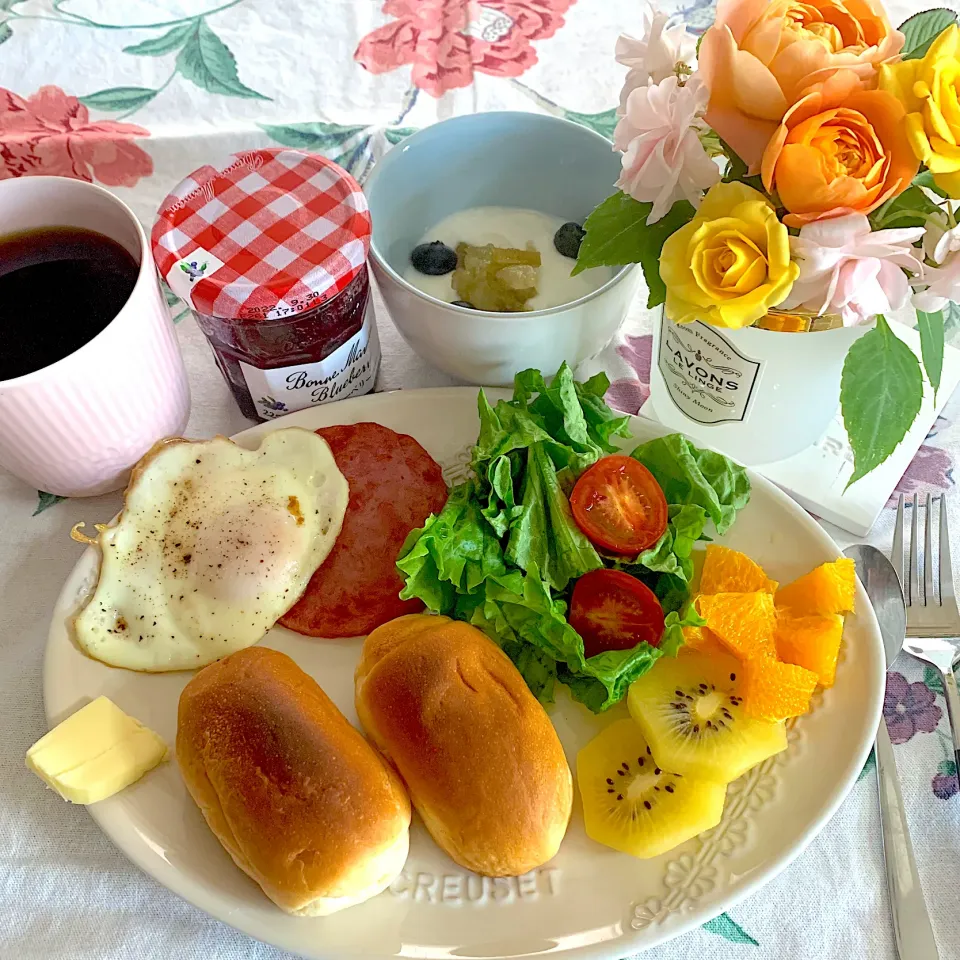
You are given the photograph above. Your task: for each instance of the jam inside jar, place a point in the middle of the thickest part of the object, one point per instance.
(269, 249)
(290, 346)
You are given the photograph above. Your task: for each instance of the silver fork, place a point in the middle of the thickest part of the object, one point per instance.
(931, 619)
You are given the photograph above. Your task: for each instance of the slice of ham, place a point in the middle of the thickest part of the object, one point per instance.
(394, 486)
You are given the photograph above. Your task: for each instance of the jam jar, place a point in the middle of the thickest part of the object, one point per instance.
(269, 249)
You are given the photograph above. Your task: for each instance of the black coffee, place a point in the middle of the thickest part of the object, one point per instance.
(59, 287)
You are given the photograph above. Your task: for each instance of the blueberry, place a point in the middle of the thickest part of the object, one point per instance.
(434, 259)
(462, 303)
(568, 238)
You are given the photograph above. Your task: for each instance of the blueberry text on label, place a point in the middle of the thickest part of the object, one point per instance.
(349, 371)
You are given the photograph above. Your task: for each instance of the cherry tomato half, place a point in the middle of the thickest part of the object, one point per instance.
(619, 505)
(613, 611)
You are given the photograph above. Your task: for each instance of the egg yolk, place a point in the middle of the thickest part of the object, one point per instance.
(246, 552)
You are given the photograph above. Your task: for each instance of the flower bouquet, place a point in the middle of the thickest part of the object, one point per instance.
(800, 157)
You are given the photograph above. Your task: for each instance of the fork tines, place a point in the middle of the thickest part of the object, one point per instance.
(927, 607)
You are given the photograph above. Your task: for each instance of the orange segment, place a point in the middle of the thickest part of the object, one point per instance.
(773, 690)
(743, 622)
(811, 642)
(729, 571)
(821, 592)
(703, 640)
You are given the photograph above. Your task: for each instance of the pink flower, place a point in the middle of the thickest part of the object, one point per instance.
(931, 470)
(655, 56)
(848, 270)
(663, 158)
(447, 41)
(51, 133)
(627, 395)
(940, 240)
(939, 283)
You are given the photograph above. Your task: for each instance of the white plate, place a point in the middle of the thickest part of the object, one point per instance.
(589, 901)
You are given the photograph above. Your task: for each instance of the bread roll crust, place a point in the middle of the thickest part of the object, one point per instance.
(483, 764)
(298, 798)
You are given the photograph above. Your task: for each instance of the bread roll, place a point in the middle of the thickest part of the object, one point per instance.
(481, 759)
(295, 794)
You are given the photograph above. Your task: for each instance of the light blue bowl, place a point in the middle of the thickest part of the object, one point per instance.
(493, 159)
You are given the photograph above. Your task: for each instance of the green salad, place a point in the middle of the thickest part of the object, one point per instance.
(506, 552)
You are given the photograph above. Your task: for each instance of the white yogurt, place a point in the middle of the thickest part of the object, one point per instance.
(511, 227)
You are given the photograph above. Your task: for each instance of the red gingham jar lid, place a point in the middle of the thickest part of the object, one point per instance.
(263, 235)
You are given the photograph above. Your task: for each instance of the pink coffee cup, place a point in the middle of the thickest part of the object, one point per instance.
(76, 427)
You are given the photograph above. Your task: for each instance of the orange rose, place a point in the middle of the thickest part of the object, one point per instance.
(761, 56)
(838, 152)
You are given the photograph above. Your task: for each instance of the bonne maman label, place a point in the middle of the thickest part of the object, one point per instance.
(348, 372)
(707, 378)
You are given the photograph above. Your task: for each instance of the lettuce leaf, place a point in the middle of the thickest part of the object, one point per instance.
(545, 536)
(689, 475)
(504, 550)
(519, 610)
(609, 675)
(524, 452)
(453, 553)
(672, 552)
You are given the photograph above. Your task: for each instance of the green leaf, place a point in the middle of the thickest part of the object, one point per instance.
(5, 31)
(45, 501)
(317, 136)
(166, 43)
(545, 536)
(119, 98)
(910, 209)
(728, 928)
(617, 234)
(880, 394)
(925, 179)
(672, 552)
(947, 768)
(480, 559)
(951, 319)
(922, 29)
(930, 326)
(933, 680)
(207, 61)
(168, 295)
(737, 169)
(603, 123)
(395, 134)
(689, 475)
(868, 765)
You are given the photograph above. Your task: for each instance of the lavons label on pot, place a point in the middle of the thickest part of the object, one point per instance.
(707, 378)
(349, 371)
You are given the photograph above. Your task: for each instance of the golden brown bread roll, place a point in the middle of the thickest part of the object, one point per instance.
(481, 759)
(295, 794)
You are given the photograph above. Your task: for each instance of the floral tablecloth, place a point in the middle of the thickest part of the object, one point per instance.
(135, 95)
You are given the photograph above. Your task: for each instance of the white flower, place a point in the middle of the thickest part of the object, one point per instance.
(847, 269)
(655, 56)
(940, 240)
(939, 283)
(659, 136)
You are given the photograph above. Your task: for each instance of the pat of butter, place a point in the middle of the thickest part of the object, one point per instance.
(95, 753)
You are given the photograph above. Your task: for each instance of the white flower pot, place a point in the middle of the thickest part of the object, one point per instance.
(756, 395)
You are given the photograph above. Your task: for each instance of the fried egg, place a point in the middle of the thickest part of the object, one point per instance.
(214, 544)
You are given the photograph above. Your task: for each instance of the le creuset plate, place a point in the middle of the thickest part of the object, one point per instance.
(588, 902)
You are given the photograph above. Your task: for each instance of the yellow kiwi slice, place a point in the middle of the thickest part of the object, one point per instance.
(632, 805)
(692, 716)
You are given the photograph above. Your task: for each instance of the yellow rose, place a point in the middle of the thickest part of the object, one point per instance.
(929, 89)
(731, 263)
